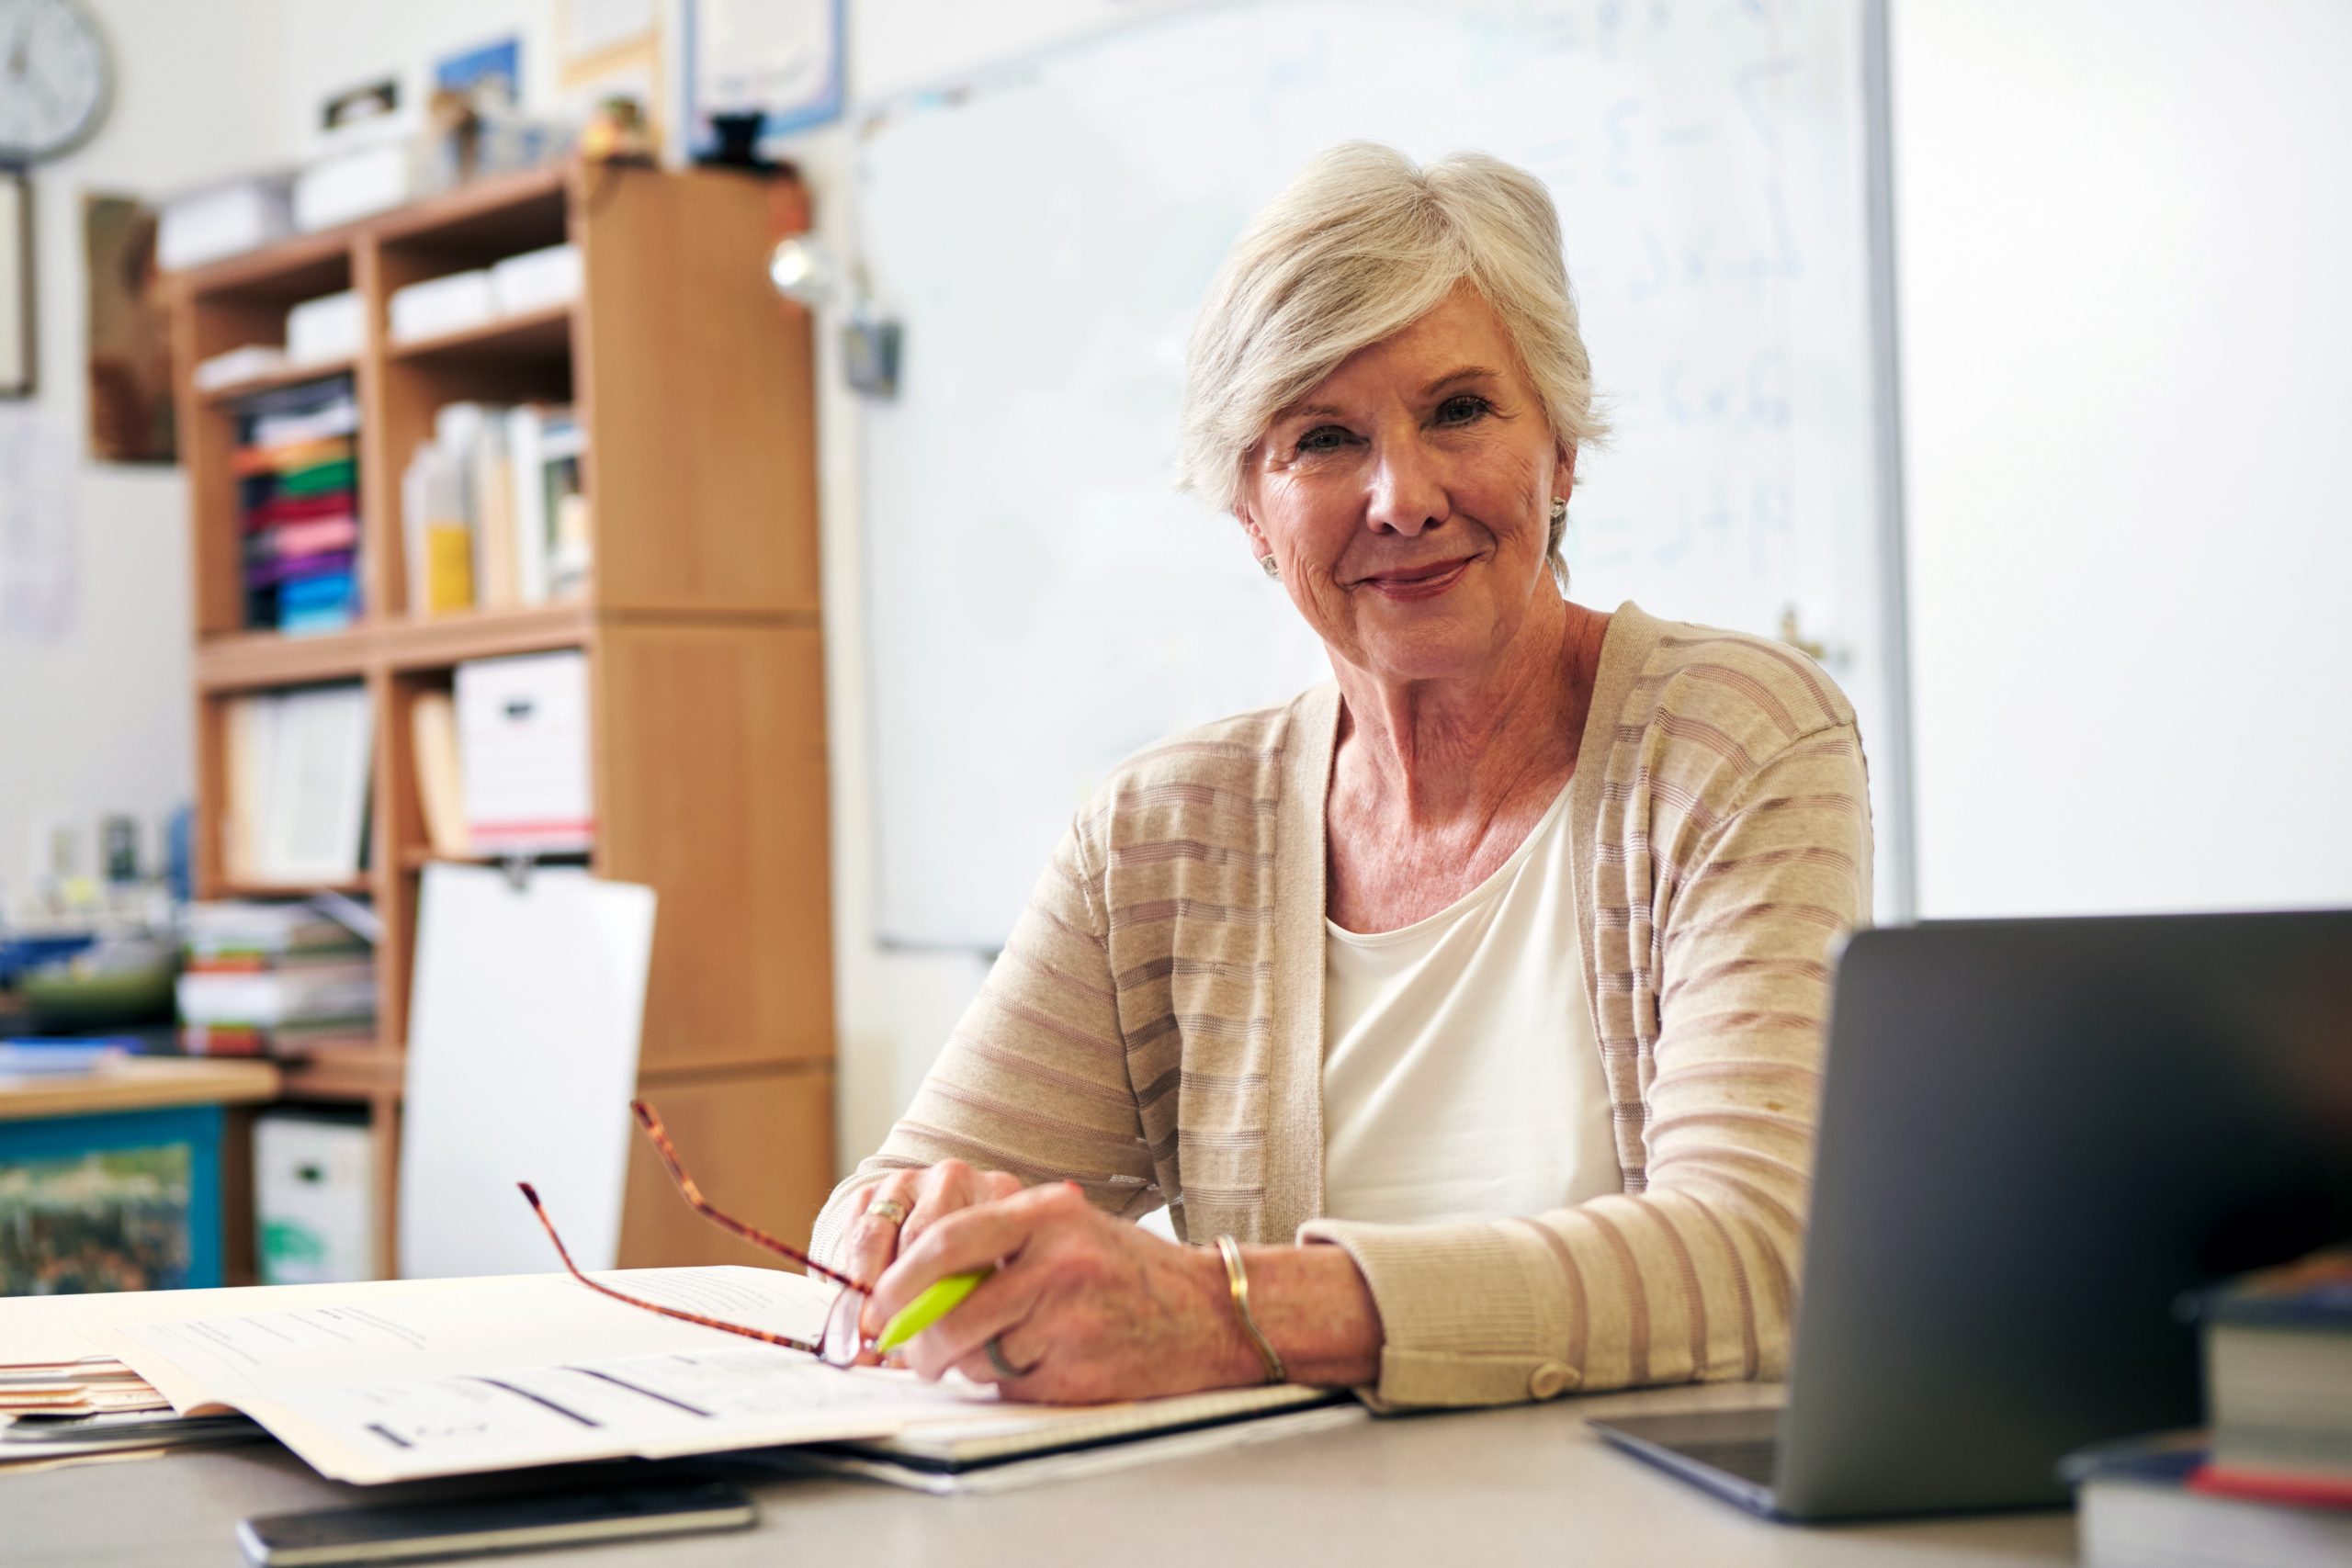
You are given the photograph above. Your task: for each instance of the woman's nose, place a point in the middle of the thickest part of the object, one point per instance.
(1408, 491)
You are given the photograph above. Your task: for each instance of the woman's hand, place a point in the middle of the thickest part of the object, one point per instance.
(1082, 1307)
(887, 1217)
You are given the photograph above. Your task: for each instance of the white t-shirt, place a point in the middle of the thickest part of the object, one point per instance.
(1460, 1076)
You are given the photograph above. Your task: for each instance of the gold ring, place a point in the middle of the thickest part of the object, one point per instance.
(1004, 1368)
(889, 1211)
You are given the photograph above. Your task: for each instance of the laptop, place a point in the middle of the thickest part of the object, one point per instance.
(2035, 1137)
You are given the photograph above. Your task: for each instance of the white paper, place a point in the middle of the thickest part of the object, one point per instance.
(16, 347)
(504, 1373)
(522, 1039)
(47, 1331)
(38, 576)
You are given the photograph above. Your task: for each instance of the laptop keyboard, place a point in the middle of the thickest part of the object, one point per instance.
(1750, 1459)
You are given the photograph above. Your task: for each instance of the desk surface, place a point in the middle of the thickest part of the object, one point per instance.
(1527, 1485)
(139, 1083)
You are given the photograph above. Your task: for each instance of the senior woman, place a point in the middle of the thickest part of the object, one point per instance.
(1477, 994)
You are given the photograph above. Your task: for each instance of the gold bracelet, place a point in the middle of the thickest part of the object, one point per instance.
(1237, 1280)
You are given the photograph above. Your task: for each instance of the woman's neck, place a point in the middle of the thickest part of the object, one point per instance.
(1427, 752)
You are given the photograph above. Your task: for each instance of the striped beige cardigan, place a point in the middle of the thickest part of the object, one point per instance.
(1154, 1028)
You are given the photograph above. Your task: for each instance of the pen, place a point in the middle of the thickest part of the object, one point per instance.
(936, 1301)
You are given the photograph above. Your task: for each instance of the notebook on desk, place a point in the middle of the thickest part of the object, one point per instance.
(1022, 1447)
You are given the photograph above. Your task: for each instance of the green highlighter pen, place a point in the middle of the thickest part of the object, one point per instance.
(936, 1301)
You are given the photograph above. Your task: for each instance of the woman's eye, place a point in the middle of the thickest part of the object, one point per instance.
(1462, 409)
(1324, 438)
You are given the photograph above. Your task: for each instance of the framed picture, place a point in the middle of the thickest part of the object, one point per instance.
(130, 403)
(780, 59)
(18, 354)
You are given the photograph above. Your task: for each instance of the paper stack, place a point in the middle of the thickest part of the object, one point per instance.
(412, 1379)
(63, 1410)
(272, 980)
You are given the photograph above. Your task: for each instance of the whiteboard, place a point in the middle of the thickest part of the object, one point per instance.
(1043, 603)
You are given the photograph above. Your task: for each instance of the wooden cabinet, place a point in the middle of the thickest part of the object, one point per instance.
(700, 627)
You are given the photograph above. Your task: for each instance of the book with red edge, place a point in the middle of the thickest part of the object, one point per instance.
(2263, 1486)
(2144, 1504)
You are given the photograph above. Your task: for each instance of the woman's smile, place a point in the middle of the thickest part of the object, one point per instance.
(1406, 583)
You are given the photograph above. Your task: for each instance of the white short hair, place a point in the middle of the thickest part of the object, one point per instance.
(1363, 243)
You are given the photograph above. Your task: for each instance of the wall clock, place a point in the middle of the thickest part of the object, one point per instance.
(56, 79)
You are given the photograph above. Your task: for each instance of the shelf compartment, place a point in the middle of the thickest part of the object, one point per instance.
(485, 634)
(532, 336)
(359, 886)
(499, 216)
(291, 376)
(345, 1073)
(244, 661)
(416, 857)
(301, 268)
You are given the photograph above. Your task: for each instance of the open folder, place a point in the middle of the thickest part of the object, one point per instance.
(408, 1379)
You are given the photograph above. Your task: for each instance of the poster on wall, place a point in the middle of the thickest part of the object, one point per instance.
(16, 285)
(38, 563)
(130, 343)
(778, 59)
(488, 78)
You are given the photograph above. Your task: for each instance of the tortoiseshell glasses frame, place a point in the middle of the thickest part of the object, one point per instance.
(842, 1346)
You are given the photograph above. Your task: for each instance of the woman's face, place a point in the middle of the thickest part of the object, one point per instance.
(1407, 497)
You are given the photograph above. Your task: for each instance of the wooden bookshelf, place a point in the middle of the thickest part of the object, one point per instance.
(700, 625)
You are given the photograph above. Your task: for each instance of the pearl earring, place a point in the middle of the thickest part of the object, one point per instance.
(1559, 509)
(1271, 567)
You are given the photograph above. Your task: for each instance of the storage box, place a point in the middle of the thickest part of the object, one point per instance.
(523, 738)
(438, 305)
(537, 280)
(331, 328)
(356, 185)
(223, 220)
(314, 1197)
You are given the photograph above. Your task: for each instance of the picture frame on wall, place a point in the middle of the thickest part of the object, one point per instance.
(129, 365)
(778, 59)
(18, 352)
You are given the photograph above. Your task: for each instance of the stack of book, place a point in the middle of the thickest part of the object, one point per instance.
(273, 980)
(297, 469)
(495, 515)
(2271, 1487)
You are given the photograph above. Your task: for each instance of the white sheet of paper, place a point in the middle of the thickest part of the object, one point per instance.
(39, 575)
(523, 1037)
(46, 1331)
(503, 1373)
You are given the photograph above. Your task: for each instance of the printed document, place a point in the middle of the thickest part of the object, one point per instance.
(500, 1374)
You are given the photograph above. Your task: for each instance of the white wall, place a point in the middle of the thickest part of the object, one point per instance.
(2123, 232)
(100, 720)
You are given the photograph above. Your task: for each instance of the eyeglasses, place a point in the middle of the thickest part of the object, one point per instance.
(842, 1344)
